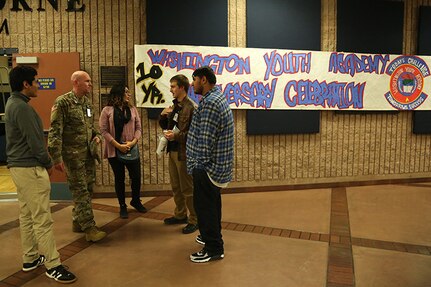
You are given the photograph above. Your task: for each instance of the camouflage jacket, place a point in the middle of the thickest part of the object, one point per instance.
(72, 128)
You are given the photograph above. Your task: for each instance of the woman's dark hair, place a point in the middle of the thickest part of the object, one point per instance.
(116, 95)
(21, 74)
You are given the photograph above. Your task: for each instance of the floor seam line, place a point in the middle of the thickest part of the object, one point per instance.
(340, 253)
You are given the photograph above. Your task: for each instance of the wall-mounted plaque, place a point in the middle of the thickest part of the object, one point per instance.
(111, 75)
(46, 83)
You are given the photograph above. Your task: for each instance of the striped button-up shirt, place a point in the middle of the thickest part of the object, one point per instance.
(210, 140)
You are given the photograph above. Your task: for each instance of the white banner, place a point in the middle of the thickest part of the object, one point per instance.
(288, 79)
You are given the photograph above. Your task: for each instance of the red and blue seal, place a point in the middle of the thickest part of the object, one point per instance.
(407, 82)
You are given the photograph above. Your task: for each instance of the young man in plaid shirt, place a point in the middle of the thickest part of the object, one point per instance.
(210, 145)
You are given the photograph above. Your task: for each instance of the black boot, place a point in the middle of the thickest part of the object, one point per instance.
(123, 211)
(138, 206)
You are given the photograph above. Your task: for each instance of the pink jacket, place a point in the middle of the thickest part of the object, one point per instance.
(131, 130)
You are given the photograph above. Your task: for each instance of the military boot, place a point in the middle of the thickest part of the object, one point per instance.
(94, 234)
(76, 227)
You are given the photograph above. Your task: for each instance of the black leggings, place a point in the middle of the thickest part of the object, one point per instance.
(134, 169)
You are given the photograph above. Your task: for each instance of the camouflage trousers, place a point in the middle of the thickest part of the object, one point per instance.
(81, 177)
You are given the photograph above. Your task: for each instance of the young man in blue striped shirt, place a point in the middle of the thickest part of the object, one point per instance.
(210, 146)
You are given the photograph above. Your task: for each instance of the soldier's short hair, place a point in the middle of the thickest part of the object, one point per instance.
(19, 75)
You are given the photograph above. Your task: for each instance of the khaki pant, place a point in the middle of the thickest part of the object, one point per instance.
(182, 188)
(35, 221)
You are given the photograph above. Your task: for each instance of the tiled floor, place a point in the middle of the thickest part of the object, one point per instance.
(357, 236)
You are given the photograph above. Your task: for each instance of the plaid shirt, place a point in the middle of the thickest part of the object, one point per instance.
(211, 137)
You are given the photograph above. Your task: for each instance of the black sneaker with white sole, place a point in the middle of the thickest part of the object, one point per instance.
(200, 240)
(61, 274)
(203, 256)
(33, 265)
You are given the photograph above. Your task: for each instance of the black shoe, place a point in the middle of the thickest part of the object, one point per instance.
(123, 211)
(200, 240)
(138, 206)
(190, 228)
(174, 220)
(33, 265)
(203, 256)
(60, 274)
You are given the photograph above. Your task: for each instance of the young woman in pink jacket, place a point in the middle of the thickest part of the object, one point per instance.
(120, 125)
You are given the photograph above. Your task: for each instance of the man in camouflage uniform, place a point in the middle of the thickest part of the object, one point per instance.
(70, 137)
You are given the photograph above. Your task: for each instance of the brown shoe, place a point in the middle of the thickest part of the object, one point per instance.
(94, 234)
(76, 227)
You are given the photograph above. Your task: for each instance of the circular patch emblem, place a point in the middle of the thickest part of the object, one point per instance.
(406, 82)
